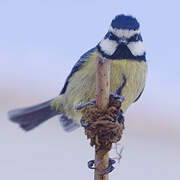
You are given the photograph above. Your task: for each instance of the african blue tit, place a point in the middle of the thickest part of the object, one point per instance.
(123, 47)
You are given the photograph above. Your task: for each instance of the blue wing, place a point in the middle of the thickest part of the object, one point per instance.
(138, 96)
(77, 66)
(67, 123)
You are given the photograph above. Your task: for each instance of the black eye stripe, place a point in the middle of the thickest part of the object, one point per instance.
(136, 37)
(113, 37)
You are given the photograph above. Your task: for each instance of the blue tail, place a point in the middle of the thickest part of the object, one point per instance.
(29, 118)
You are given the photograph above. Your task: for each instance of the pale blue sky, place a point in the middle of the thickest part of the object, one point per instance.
(40, 40)
(47, 37)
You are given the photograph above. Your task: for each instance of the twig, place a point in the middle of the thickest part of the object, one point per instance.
(102, 100)
(118, 152)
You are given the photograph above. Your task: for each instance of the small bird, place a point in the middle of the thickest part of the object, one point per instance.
(123, 46)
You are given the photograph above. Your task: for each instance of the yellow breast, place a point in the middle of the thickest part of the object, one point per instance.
(82, 84)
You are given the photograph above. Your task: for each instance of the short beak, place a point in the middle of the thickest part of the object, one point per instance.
(123, 40)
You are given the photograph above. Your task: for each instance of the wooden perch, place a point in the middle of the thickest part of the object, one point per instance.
(102, 83)
(103, 121)
(102, 101)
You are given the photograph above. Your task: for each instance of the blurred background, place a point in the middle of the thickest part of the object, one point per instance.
(40, 40)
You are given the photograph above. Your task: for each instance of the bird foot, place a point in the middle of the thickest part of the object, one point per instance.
(83, 124)
(81, 106)
(117, 97)
(120, 119)
(112, 96)
(106, 171)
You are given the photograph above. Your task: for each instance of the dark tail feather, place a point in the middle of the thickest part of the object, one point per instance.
(29, 118)
(68, 124)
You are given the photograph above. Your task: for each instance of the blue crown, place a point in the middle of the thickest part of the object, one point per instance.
(125, 22)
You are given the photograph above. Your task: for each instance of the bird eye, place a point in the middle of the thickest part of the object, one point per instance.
(110, 35)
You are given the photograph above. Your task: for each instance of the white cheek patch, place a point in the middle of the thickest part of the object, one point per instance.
(108, 46)
(123, 32)
(137, 48)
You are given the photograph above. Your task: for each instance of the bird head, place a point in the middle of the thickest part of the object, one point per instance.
(123, 40)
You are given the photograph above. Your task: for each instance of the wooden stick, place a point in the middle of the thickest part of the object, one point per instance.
(102, 83)
(102, 100)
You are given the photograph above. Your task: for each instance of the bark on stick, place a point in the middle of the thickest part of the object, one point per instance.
(102, 100)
